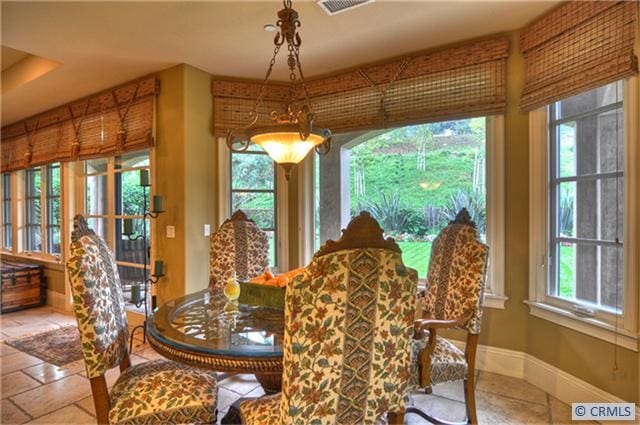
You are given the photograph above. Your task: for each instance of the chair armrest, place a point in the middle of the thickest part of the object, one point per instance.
(422, 326)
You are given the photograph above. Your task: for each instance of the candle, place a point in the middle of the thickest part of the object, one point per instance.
(144, 177)
(157, 203)
(128, 226)
(158, 268)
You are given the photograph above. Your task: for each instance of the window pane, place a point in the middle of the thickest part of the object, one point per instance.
(99, 226)
(250, 171)
(131, 251)
(610, 147)
(585, 102)
(129, 194)
(99, 165)
(259, 206)
(413, 180)
(133, 159)
(53, 240)
(7, 240)
(566, 271)
(272, 248)
(129, 276)
(612, 277)
(33, 216)
(567, 158)
(97, 195)
(612, 209)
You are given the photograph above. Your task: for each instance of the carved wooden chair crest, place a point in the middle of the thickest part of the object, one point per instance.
(453, 299)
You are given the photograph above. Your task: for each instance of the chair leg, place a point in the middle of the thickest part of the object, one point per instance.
(395, 418)
(470, 399)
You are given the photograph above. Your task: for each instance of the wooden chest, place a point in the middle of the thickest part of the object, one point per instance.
(23, 286)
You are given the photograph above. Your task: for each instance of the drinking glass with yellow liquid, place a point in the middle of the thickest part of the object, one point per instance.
(232, 288)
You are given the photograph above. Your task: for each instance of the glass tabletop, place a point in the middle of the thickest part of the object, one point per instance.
(204, 322)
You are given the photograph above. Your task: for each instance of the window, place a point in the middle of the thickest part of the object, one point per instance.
(253, 190)
(52, 200)
(583, 249)
(113, 193)
(414, 180)
(586, 199)
(42, 225)
(33, 210)
(7, 221)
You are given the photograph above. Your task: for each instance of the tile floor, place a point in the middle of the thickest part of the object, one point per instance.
(37, 392)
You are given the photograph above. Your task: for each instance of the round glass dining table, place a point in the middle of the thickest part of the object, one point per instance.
(203, 330)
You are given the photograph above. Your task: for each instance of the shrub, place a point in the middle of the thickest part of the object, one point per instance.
(432, 219)
(390, 212)
(474, 202)
(566, 213)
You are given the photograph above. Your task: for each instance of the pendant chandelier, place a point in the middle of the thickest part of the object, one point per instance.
(292, 134)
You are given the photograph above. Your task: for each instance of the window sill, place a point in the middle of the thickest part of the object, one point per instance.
(586, 325)
(48, 261)
(494, 301)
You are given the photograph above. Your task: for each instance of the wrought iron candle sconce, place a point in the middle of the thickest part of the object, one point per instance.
(158, 269)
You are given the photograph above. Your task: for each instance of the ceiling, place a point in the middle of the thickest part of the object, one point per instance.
(11, 57)
(102, 44)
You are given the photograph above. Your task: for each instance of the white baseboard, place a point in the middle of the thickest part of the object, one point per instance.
(558, 383)
(58, 301)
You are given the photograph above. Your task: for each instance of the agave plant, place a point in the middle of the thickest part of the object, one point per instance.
(390, 212)
(474, 202)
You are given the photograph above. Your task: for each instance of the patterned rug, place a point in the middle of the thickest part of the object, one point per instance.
(59, 346)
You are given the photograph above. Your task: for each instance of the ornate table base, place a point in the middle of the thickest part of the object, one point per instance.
(271, 382)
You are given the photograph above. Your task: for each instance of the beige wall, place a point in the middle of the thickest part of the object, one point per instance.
(185, 173)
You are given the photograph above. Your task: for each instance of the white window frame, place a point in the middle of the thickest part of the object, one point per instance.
(282, 204)
(12, 201)
(625, 333)
(494, 296)
(19, 216)
(110, 215)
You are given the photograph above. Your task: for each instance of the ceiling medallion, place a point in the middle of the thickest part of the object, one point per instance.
(291, 135)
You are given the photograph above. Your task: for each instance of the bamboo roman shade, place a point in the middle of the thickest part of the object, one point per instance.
(577, 47)
(114, 121)
(456, 82)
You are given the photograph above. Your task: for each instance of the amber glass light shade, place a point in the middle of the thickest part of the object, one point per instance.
(286, 147)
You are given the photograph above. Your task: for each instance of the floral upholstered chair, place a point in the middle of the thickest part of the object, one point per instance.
(453, 299)
(348, 330)
(237, 246)
(153, 392)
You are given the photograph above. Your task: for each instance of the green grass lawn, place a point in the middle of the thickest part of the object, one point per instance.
(416, 255)
(567, 271)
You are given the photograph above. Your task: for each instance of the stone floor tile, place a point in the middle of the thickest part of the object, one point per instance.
(148, 353)
(257, 392)
(50, 397)
(29, 329)
(87, 404)
(510, 387)
(17, 361)
(439, 407)
(47, 372)
(496, 409)
(241, 383)
(451, 390)
(226, 398)
(11, 414)
(5, 350)
(67, 415)
(16, 383)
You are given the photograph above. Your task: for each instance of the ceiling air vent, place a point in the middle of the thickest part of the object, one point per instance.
(332, 7)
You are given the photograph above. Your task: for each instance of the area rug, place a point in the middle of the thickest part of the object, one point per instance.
(59, 346)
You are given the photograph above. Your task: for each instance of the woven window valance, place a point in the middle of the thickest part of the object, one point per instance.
(456, 82)
(114, 121)
(577, 47)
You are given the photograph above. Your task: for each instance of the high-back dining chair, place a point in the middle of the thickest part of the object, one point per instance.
(453, 299)
(239, 246)
(158, 391)
(348, 329)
